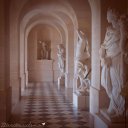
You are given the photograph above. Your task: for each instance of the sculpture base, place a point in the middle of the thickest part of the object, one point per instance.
(120, 119)
(61, 81)
(80, 101)
(101, 122)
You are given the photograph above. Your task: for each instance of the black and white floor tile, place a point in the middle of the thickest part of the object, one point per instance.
(44, 106)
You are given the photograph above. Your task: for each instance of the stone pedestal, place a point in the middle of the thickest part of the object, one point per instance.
(61, 81)
(81, 102)
(42, 71)
(120, 119)
(69, 94)
(103, 120)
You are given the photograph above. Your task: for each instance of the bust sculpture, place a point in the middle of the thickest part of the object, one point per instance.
(82, 64)
(112, 54)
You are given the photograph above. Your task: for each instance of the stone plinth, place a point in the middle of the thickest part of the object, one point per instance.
(69, 94)
(81, 102)
(120, 119)
(42, 71)
(101, 122)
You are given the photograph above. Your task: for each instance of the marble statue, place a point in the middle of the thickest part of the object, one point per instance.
(82, 64)
(44, 50)
(61, 58)
(82, 50)
(113, 53)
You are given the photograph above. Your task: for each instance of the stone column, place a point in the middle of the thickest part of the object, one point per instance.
(69, 75)
(95, 60)
(22, 59)
(26, 62)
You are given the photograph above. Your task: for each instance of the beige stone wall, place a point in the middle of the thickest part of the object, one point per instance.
(5, 89)
(14, 56)
(2, 46)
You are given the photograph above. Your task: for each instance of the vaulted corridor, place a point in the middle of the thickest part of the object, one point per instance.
(43, 103)
(64, 63)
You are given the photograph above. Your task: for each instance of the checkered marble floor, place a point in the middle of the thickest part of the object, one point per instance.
(44, 106)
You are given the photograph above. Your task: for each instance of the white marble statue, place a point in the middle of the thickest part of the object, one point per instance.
(82, 64)
(112, 53)
(82, 51)
(61, 58)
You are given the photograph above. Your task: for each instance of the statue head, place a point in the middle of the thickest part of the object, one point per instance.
(60, 46)
(112, 17)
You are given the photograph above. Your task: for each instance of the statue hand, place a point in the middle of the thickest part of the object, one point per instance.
(102, 52)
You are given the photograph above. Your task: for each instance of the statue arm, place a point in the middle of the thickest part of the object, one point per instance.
(79, 35)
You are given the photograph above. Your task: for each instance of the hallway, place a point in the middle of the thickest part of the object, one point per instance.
(44, 103)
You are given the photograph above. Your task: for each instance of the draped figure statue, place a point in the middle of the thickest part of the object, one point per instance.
(61, 58)
(112, 54)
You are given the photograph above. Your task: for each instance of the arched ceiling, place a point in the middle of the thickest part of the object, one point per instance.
(47, 7)
(57, 13)
(46, 22)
